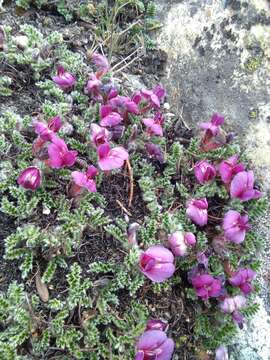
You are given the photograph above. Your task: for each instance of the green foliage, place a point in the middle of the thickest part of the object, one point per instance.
(214, 336)
(5, 83)
(257, 208)
(210, 190)
(149, 195)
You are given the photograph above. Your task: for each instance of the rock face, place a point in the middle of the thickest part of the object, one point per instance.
(219, 60)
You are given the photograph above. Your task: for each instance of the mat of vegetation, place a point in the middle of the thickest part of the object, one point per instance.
(122, 235)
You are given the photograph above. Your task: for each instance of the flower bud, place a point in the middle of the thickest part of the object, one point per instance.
(177, 243)
(132, 233)
(190, 238)
(30, 178)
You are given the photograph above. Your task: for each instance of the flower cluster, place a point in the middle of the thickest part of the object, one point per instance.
(114, 112)
(158, 262)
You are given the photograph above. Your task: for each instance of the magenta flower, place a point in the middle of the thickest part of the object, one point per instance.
(197, 211)
(157, 263)
(242, 186)
(59, 155)
(64, 79)
(110, 159)
(190, 238)
(213, 136)
(101, 62)
(222, 353)
(47, 131)
(242, 279)
(213, 126)
(155, 152)
(229, 168)
(206, 286)
(204, 171)
(154, 345)
(157, 325)
(109, 118)
(154, 126)
(99, 135)
(92, 88)
(86, 180)
(235, 226)
(124, 105)
(30, 178)
(153, 97)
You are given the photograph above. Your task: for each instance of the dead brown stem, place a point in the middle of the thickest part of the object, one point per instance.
(131, 193)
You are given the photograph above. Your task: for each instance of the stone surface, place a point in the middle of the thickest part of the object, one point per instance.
(219, 60)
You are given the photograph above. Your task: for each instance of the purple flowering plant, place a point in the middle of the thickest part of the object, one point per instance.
(159, 221)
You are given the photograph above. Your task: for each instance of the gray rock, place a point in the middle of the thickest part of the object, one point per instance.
(219, 61)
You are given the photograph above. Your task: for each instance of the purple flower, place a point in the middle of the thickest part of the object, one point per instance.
(222, 353)
(47, 131)
(92, 88)
(232, 305)
(197, 211)
(214, 124)
(157, 325)
(155, 152)
(110, 159)
(157, 263)
(59, 155)
(64, 79)
(101, 62)
(204, 171)
(235, 226)
(99, 135)
(109, 91)
(202, 259)
(86, 180)
(109, 118)
(154, 345)
(228, 168)
(242, 279)
(242, 186)
(124, 105)
(238, 319)
(30, 178)
(206, 286)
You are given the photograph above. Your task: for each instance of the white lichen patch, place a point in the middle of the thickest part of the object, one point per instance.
(253, 342)
(258, 142)
(181, 29)
(260, 4)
